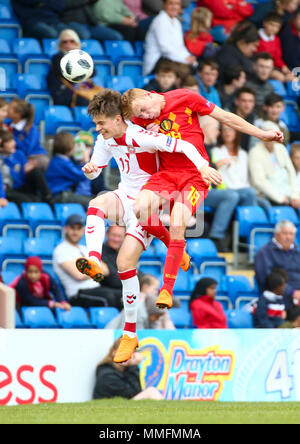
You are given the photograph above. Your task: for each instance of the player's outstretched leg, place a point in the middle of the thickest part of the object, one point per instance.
(103, 206)
(129, 254)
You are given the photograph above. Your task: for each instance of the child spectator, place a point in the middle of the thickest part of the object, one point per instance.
(295, 158)
(24, 181)
(207, 76)
(62, 175)
(121, 380)
(272, 108)
(206, 311)
(292, 318)
(37, 288)
(290, 42)
(25, 132)
(285, 8)
(190, 82)
(270, 43)
(165, 77)
(198, 40)
(3, 113)
(234, 78)
(271, 311)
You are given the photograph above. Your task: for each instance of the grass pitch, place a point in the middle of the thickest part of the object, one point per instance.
(120, 411)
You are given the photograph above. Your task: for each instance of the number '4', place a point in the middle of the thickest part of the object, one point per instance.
(278, 379)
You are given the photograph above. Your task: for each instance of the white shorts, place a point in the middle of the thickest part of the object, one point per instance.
(133, 227)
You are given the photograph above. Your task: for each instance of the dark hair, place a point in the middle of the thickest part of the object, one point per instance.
(208, 62)
(165, 66)
(244, 31)
(189, 81)
(293, 313)
(237, 141)
(244, 89)
(230, 73)
(273, 17)
(107, 102)
(263, 55)
(273, 280)
(282, 272)
(5, 136)
(63, 143)
(26, 110)
(272, 98)
(201, 288)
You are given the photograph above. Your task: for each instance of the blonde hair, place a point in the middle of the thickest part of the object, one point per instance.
(127, 99)
(108, 359)
(72, 34)
(200, 17)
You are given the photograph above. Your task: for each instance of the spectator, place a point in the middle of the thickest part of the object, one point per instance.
(198, 40)
(153, 7)
(206, 311)
(3, 197)
(232, 162)
(272, 108)
(190, 82)
(281, 252)
(79, 288)
(61, 90)
(119, 17)
(272, 172)
(165, 77)
(227, 13)
(35, 288)
(244, 105)
(207, 76)
(81, 11)
(24, 181)
(41, 19)
(290, 42)
(148, 315)
(285, 8)
(295, 158)
(263, 67)
(270, 311)
(25, 132)
(164, 38)
(121, 380)
(270, 43)
(63, 175)
(292, 318)
(234, 78)
(3, 114)
(239, 48)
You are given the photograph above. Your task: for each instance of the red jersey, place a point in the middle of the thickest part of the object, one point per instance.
(179, 119)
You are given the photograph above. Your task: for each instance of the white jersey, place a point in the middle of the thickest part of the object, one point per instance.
(135, 155)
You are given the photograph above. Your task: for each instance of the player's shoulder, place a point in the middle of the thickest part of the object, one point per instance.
(182, 94)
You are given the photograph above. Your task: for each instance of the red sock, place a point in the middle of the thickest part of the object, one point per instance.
(155, 227)
(172, 263)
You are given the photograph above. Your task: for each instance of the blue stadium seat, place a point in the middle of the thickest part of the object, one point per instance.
(8, 277)
(38, 317)
(236, 284)
(92, 47)
(202, 250)
(30, 83)
(101, 316)
(41, 103)
(18, 320)
(119, 49)
(9, 213)
(50, 47)
(279, 87)
(81, 115)
(59, 117)
(6, 12)
(239, 319)
(250, 217)
(214, 268)
(139, 47)
(10, 29)
(5, 47)
(10, 248)
(42, 247)
(245, 298)
(154, 270)
(279, 213)
(132, 70)
(293, 91)
(160, 251)
(183, 282)
(64, 210)
(76, 317)
(37, 66)
(290, 116)
(259, 239)
(120, 83)
(27, 48)
(15, 266)
(104, 68)
(10, 64)
(37, 213)
(144, 80)
(181, 318)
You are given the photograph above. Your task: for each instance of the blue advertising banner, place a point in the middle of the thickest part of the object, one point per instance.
(225, 365)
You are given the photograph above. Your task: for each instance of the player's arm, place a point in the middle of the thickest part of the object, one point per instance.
(99, 160)
(243, 126)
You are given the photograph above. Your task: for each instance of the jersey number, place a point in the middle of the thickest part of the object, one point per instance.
(125, 167)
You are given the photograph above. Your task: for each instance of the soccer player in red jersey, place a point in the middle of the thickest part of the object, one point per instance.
(175, 113)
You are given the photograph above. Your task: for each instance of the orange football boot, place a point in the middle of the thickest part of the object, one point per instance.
(90, 268)
(164, 300)
(126, 348)
(185, 261)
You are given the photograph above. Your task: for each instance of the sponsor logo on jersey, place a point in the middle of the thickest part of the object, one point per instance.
(166, 124)
(208, 103)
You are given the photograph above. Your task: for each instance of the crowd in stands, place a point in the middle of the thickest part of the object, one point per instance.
(231, 53)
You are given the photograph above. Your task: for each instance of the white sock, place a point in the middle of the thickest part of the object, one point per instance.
(95, 232)
(131, 291)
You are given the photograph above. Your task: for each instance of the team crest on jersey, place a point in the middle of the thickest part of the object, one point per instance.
(166, 125)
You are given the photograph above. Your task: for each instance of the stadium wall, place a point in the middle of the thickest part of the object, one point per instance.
(228, 365)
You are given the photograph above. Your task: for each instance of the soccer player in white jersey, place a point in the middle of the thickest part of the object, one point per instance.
(134, 151)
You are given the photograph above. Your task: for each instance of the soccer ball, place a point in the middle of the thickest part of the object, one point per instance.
(77, 66)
